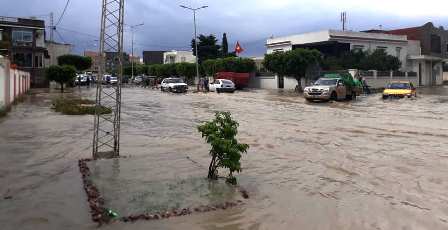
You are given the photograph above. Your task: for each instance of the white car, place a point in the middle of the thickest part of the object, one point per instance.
(138, 80)
(113, 80)
(222, 85)
(173, 85)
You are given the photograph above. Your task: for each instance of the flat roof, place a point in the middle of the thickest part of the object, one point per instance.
(333, 35)
(22, 22)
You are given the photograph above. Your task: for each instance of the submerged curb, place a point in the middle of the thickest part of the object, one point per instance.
(102, 215)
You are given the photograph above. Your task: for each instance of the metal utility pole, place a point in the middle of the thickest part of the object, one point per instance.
(195, 37)
(51, 27)
(106, 134)
(132, 47)
(344, 20)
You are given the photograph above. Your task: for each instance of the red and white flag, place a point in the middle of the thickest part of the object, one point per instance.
(238, 48)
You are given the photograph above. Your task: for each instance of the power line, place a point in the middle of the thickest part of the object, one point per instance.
(77, 32)
(60, 36)
(63, 13)
(167, 46)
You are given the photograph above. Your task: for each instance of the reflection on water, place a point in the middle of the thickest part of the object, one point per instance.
(368, 164)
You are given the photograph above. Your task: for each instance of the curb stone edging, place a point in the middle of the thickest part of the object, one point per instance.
(101, 215)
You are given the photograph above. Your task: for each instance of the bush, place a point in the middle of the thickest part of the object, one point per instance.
(226, 151)
(3, 111)
(77, 106)
(229, 64)
(61, 74)
(187, 70)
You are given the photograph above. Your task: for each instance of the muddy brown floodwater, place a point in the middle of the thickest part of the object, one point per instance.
(368, 164)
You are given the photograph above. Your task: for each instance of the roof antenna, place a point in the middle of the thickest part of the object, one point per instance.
(344, 20)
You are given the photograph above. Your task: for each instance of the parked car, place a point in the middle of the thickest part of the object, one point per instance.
(173, 85)
(81, 79)
(400, 89)
(333, 86)
(113, 80)
(222, 85)
(137, 80)
(109, 79)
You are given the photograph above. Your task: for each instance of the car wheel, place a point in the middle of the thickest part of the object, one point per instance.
(161, 89)
(218, 91)
(353, 96)
(333, 96)
(309, 99)
(170, 89)
(385, 96)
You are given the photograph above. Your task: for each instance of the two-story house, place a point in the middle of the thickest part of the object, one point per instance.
(23, 41)
(434, 51)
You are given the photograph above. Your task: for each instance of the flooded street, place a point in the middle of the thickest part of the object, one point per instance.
(368, 164)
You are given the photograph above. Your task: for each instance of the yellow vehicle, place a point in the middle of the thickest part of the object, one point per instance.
(400, 89)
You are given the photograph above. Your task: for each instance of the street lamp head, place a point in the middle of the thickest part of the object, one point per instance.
(204, 7)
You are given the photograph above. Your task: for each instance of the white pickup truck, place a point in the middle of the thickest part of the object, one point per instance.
(176, 85)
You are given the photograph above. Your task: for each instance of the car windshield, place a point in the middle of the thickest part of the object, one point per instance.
(398, 86)
(226, 82)
(326, 82)
(174, 80)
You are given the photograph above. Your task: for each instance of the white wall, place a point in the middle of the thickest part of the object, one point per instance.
(445, 76)
(271, 82)
(13, 83)
(3, 82)
(179, 56)
(263, 82)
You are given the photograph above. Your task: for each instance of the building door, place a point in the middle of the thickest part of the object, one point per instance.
(419, 74)
(280, 82)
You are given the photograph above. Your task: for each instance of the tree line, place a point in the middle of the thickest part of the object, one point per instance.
(213, 58)
(296, 62)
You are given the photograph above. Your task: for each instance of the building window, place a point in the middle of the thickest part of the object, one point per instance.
(25, 36)
(38, 61)
(23, 59)
(398, 50)
(278, 50)
(358, 47)
(436, 43)
(183, 59)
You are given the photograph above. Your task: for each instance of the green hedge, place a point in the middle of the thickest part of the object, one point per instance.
(229, 64)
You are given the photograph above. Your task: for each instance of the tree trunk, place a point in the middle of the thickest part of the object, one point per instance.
(212, 168)
(299, 88)
(62, 87)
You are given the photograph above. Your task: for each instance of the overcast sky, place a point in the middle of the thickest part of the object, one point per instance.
(167, 26)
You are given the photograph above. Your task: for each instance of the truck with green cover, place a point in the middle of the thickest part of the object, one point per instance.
(339, 85)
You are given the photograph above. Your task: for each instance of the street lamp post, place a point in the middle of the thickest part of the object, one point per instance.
(195, 37)
(132, 47)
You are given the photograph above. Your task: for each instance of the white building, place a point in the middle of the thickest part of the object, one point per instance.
(176, 56)
(334, 43)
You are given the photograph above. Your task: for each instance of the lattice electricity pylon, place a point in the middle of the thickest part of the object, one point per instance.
(106, 137)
